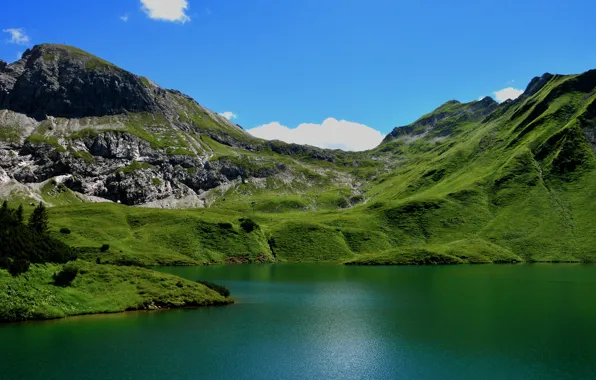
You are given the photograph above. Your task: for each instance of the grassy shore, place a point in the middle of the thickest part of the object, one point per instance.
(97, 289)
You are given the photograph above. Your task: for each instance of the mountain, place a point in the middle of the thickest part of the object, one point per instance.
(475, 182)
(99, 133)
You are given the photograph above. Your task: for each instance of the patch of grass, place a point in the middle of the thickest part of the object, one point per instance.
(10, 134)
(134, 166)
(47, 140)
(96, 289)
(366, 241)
(281, 204)
(83, 155)
(58, 194)
(146, 82)
(297, 242)
(179, 152)
(407, 256)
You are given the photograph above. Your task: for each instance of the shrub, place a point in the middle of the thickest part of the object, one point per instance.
(248, 225)
(66, 276)
(98, 260)
(104, 248)
(222, 290)
(18, 267)
(225, 226)
(65, 231)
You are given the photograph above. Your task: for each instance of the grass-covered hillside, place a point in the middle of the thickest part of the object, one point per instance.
(470, 182)
(96, 289)
(477, 182)
(43, 278)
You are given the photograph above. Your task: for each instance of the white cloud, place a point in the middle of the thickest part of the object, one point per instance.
(19, 55)
(124, 18)
(18, 36)
(166, 10)
(507, 93)
(332, 134)
(229, 115)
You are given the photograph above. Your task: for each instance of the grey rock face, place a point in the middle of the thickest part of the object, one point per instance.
(537, 83)
(63, 81)
(110, 134)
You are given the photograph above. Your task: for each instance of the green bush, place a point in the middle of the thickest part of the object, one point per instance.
(66, 276)
(65, 231)
(248, 225)
(104, 248)
(18, 267)
(222, 290)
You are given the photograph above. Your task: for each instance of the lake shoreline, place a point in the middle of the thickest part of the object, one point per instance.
(98, 289)
(116, 313)
(153, 306)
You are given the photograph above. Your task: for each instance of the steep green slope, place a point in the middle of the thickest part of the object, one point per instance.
(480, 183)
(468, 182)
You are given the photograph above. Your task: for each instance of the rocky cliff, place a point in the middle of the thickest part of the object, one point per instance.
(103, 133)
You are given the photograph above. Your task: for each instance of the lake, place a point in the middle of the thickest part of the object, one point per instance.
(334, 322)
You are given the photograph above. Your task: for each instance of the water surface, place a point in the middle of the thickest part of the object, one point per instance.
(335, 322)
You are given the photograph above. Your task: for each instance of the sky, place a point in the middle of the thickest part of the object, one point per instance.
(329, 73)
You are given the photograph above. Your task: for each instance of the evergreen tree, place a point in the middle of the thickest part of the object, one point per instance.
(22, 245)
(20, 214)
(38, 221)
(6, 217)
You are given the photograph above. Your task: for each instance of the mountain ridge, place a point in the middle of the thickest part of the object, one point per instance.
(473, 182)
(70, 109)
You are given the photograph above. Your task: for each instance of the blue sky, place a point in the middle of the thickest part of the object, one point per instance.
(378, 63)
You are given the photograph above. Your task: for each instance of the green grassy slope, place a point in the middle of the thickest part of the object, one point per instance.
(96, 289)
(476, 182)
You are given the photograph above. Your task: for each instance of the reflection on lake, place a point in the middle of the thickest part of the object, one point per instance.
(335, 322)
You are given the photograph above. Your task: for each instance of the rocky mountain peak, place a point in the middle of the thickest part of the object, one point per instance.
(537, 83)
(64, 81)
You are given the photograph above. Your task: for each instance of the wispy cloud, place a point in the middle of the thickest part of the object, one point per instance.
(332, 134)
(124, 18)
(166, 10)
(19, 55)
(229, 115)
(508, 93)
(18, 36)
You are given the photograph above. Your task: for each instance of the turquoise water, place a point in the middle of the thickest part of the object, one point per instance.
(335, 322)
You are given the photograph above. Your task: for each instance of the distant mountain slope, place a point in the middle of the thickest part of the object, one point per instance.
(70, 118)
(470, 182)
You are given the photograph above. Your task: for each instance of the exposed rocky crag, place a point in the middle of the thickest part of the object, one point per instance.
(110, 134)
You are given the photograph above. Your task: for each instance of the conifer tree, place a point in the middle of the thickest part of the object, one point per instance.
(38, 221)
(19, 214)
